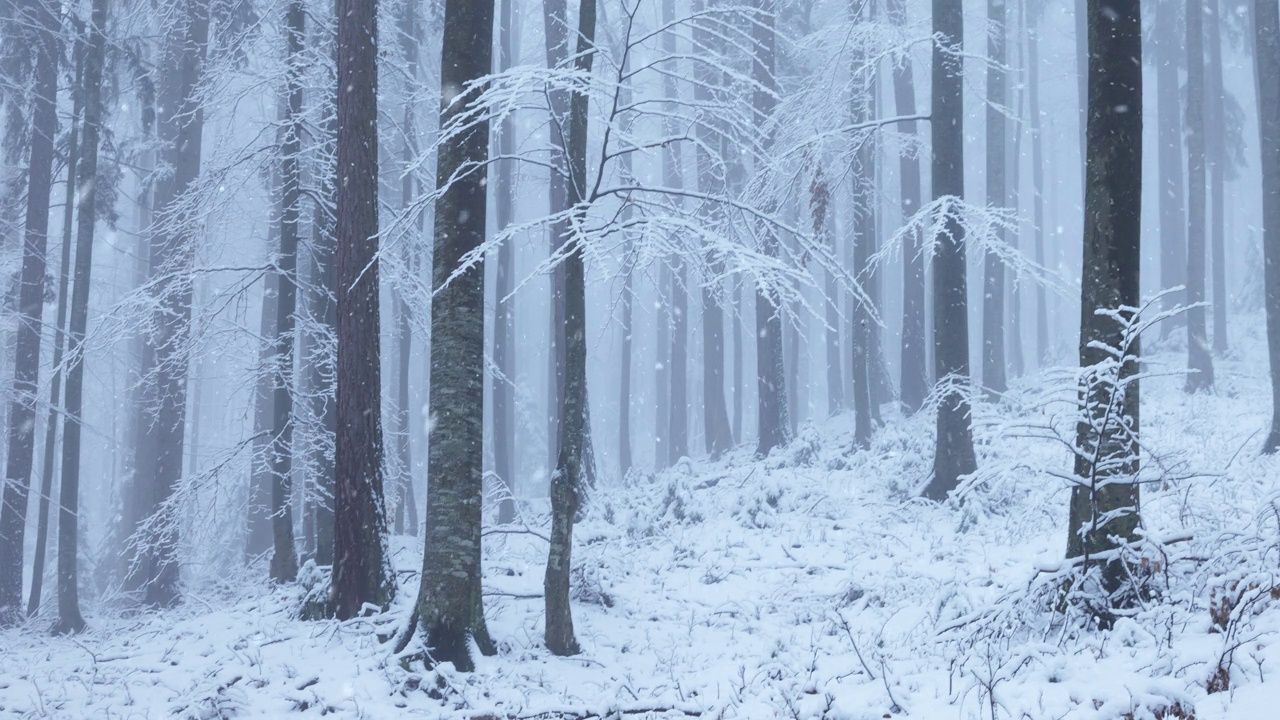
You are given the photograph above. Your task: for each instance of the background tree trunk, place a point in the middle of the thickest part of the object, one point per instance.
(774, 424)
(42, 18)
(914, 382)
(1217, 157)
(556, 32)
(1043, 348)
(504, 309)
(954, 456)
(360, 570)
(1172, 189)
(1199, 361)
(69, 618)
(1266, 26)
(993, 356)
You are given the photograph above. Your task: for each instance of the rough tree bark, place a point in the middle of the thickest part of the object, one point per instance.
(1267, 61)
(450, 608)
(1199, 360)
(322, 307)
(774, 425)
(360, 567)
(69, 618)
(42, 18)
(994, 379)
(954, 456)
(914, 381)
(1112, 260)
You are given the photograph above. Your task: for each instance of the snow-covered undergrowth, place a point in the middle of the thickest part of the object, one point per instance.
(808, 585)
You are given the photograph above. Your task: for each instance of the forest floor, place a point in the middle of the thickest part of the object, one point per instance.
(809, 585)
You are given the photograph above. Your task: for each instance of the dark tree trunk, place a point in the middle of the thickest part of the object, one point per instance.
(1037, 185)
(863, 221)
(55, 389)
(166, 351)
(450, 607)
(914, 380)
(567, 480)
(360, 565)
(1172, 188)
(556, 32)
(1199, 360)
(259, 538)
(284, 559)
(321, 366)
(715, 415)
(774, 424)
(504, 309)
(662, 370)
(819, 205)
(1104, 506)
(1267, 61)
(69, 619)
(954, 453)
(1217, 149)
(43, 19)
(673, 178)
(993, 355)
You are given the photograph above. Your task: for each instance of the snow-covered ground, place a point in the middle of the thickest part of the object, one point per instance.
(808, 585)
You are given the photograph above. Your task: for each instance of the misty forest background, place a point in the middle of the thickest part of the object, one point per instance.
(296, 287)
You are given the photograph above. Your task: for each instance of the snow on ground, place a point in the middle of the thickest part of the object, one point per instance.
(808, 585)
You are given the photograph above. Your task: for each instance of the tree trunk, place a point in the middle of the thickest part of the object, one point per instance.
(556, 32)
(914, 383)
(993, 355)
(863, 221)
(1037, 184)
(673, 179)
(628, 306)
(504, 309)
(259, 538)
(567, 480)
(450, 607)
(1013, 290)
(715, 415)
(321, 366)
(662, 370)
(360, 565)
(1104, 506)
(954, 455)
(819, 205)
(1172, 189)
(1267, 62)
(1217, 149)
(284, 559)
(1199, 361)
(55, 389)
(774, 425)
(43, 18)
(69, 619)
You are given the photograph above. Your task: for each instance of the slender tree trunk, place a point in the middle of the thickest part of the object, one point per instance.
(1217, 149)
(954, 455)
(718, 435)
(1082, 81)
(993, 355)
(1199, 361)
(556, 32)
(450, 607)
(567, 481)
(1266, 26)
(69, 619)
(55, 388)
(673, 178)
(662, 370)
(322, 368)
(360, 565)
(504, 310)
(1104, 506)
(774, 424)
(628, 308)
(1172, 188)
(284, 559)
(1013, 333)
(863, 221)
(819, 205)
(1037, 184)
(259, 538)
(914, 382)
(43, 18)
